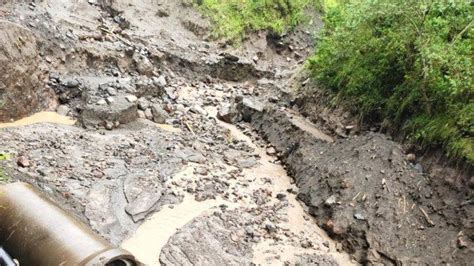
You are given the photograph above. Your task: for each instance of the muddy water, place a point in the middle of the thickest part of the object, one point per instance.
(153, 235)
(41, 117)
(298, 222)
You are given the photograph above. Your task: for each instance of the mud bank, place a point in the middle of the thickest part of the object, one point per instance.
(364, 193)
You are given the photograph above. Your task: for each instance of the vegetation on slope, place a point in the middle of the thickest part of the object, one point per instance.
(234, 18)
(407, 64)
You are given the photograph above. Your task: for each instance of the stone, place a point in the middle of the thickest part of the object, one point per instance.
(22, 161)
(271, 228)
(109, 125)
(197, 109)
(281, 196)
(110, 100)
(359, 216)
(159, 115)
(101, 102)
(143, 103)
(111, 91)
(330, 201)
(226, 113)
(63, 110)
(160, 81)
(148, 114)
(271, 151)
(143, 64)
(131, 98)
(247, 107)
(411, 157)
(121, 111)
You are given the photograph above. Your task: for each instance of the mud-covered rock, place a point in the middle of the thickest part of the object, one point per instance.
(209, 240)
(121, 110)
(21, 91)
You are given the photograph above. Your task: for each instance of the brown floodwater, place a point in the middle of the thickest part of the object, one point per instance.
(41, 117)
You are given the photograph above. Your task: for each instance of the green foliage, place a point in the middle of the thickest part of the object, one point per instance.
(407, 63)
(233, 18)
(3, 177)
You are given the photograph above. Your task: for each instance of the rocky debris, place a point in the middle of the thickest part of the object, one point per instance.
(21, 91)
(121, 111)
(209, 240)
(114, 180)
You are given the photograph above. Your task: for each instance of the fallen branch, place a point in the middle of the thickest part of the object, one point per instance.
(427, 217)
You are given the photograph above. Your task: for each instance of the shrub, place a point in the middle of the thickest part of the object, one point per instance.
(406, 63)
(234, 18)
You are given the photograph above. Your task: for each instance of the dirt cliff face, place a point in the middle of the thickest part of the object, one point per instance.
(20, 88)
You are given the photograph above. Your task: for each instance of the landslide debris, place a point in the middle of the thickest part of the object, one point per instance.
(21, 89)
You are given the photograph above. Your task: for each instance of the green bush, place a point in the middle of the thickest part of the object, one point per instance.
(234, 18)
(405, 63)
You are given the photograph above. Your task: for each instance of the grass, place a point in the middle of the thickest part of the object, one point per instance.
(233, 19)
(404, 65)
(3, 176)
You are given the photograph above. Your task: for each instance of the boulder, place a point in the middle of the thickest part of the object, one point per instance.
(121, 111)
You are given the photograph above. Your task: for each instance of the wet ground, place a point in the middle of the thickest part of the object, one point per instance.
(187, 151)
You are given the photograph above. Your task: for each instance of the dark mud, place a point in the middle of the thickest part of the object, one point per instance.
(364, 192)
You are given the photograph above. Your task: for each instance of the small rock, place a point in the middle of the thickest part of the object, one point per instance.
(109, 125)
(110, 100)
(159, 115)
(270, 227)
(331, 200)
(198, 110)
(131, 98)
(226, 113)
(141, 114)
(22, 161)
(148, 114)
(160, 81)
(271, 151)
(111, 91)
(359, 216)
(101, 102)
(306, 244)
(63, 110)
(281, 196)
(143, 104)
(411, 157)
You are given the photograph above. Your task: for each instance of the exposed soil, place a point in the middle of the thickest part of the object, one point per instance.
(187, 151)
